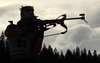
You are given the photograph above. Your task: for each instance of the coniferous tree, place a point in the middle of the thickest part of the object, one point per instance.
(2, 47)
(56, 56)
(44, 49)
(62, 58)
(56, 51)
(50, 55)
(89, 53)
(95, 53)
(74, 52)
(50, 49)
(68, 56)
(77, 55)
(84, 55)
(77, 52)
(95, 57)
(62, 55)
(89, 56)
(43, 54)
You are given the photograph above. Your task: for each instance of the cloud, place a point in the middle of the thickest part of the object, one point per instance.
(78, 33)
(93, 44)
(81, 35)
(74, 37)
(96, 33)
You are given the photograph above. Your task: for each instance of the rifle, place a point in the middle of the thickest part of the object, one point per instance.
(53, 22)
(61, 22)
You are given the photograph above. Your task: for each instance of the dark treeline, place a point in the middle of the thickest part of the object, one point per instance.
(50, 55)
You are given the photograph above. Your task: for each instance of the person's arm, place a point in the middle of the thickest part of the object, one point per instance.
(12, 32)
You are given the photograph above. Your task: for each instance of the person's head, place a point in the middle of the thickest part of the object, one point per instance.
(27, 12)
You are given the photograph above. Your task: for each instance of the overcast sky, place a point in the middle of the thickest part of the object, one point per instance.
(79, 33)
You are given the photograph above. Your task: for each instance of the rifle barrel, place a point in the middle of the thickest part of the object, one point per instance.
(74, 18)
(57, 20)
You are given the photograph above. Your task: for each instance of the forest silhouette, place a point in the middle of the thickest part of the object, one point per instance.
(50, 55)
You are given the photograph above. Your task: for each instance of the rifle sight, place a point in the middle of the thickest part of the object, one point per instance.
(82, 15)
